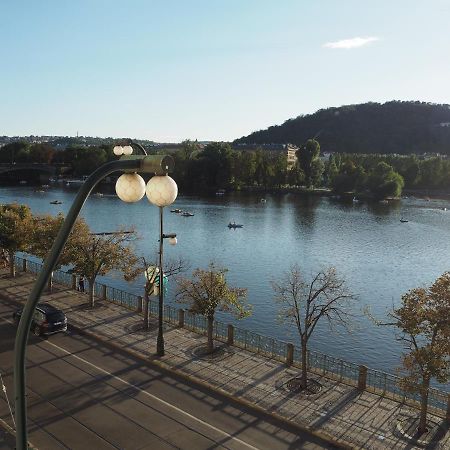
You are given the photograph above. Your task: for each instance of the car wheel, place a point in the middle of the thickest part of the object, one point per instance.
(37, 330)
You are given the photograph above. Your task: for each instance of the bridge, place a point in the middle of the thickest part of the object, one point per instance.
(8, 167)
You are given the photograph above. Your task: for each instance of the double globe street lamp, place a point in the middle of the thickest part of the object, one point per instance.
(161, 191)
(130, 187)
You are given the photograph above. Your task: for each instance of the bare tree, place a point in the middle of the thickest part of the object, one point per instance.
(305, 303)
(152, 282)
(208, 292)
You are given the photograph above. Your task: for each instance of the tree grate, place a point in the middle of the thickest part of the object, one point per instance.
(202, 352)
(294, 385)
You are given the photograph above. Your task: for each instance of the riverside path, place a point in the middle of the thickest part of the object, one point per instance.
(256, 409)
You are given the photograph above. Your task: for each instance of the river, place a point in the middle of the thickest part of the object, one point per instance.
(380, 257)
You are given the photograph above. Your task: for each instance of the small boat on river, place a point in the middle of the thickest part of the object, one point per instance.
(402, 220)
(176, 210)
(56, 202)
(187, 214)
(235, 225)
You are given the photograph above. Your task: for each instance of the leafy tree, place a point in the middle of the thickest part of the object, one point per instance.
(94, 255)
(16, 224)
(331, 170)
(263, 168)
(41, 153)
(208, 292)
(317, 169)
(280, 170)
(215, 165)
(423, 319)
(431, 171)
(44, 231)
(410, 171)
(384, 182)
(295, 176)
(305, 303)
(349, 179)
(307, 155)
(14, 152)
(246, 167)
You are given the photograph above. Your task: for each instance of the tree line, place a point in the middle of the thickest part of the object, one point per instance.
(219, 166)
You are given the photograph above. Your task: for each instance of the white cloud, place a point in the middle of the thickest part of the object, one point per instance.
(351, 43)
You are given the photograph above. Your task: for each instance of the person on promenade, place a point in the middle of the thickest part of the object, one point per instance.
(81, 284)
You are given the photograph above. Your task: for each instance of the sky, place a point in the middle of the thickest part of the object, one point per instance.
(209, 69)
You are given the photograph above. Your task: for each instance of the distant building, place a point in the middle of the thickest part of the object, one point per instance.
(288, 149)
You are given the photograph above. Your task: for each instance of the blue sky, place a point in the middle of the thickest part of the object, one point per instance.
(211, 70)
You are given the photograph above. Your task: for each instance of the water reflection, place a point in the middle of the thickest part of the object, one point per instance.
(379, 257)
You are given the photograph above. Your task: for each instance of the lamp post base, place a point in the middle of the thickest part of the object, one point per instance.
(160, 347)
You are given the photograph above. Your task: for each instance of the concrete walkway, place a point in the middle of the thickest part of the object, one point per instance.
(339, 412)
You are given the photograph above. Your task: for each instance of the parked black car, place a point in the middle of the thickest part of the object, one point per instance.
(46, 320)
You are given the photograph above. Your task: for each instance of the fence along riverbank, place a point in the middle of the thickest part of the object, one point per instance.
(364, 378)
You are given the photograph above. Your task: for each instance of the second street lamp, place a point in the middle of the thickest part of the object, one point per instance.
(162, 191)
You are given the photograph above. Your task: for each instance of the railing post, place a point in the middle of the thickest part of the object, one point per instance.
(230, 334)
(448, 409)
(140, 304)
(289, 354)
(103, 291)
(24, 265)
(74, 282)
(362, 378)
(181, 317)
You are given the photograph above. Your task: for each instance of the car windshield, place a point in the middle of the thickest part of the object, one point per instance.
(55, 317)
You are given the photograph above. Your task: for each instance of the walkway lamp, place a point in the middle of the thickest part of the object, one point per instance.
(130, 189)
(162, 191)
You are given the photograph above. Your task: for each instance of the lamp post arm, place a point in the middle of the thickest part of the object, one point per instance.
(49, 263)
(139, 146)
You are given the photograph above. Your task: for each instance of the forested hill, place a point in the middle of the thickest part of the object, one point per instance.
(392, 127)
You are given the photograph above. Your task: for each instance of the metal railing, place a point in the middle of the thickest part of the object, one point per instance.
(377, 381)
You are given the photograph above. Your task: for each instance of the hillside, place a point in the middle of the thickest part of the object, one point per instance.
(392, 127)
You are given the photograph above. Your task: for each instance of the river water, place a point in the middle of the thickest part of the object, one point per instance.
(380, 257)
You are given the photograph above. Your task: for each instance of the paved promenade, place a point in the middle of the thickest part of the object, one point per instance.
(340, 412)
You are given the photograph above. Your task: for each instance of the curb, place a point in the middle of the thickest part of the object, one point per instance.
(339, 443)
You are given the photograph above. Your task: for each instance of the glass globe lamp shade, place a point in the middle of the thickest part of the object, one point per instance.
(118, 150)
(130, 187)
(127, 150)
(173, 241)
(161, 190)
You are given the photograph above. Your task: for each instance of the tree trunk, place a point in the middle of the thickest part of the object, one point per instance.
(423, 406)
(50, 283)
(146, 304)
(12, 266)
(304, 380)
(210, 334)
(91, 292)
